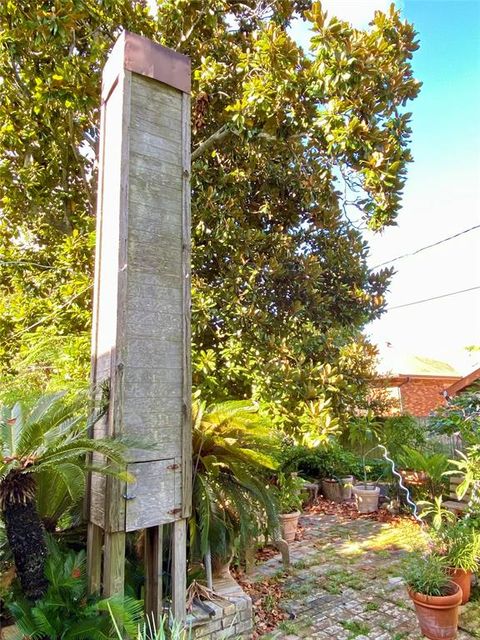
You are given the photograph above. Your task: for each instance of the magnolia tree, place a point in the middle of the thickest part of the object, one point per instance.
(286, 143)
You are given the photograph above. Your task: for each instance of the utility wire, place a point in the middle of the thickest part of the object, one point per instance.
(445, 295)
(428, 246)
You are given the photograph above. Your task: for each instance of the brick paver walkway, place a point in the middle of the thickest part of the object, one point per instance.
(345, 583)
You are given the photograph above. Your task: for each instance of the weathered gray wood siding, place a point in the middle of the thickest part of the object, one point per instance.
(141, 339)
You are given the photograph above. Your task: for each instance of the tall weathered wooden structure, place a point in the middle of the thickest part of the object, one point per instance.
(141, 336)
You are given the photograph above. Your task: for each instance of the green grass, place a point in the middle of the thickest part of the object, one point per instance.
(305, 588)
(355, 628)
(372, 606)
(337, 579)
(288, 626)
(269, 602)
(300, 564)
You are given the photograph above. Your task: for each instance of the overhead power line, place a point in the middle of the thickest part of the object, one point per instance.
(428, 246)
(445, 295)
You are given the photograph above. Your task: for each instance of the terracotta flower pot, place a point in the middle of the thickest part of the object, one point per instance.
(366, 498)
(289, 525)
(438, 615)
(464, 581)
(221, 567)
(346, 485)
(332, 490)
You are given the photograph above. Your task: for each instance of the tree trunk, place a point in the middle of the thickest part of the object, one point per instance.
(26, 537)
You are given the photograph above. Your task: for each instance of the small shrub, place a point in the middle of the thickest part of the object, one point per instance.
(400, 431)
(460, 543)
(427, 574)
(321, 462)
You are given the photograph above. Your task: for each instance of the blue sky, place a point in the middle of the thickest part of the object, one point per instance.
(442, 196)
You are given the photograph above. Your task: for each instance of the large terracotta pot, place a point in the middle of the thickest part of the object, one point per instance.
(464, 581)
(332, 490)
(289, 525)
(438, 615)
(366, 498)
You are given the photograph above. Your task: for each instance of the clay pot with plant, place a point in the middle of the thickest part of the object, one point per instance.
(460, 545)
(367, 493)
(290, 499)
(436, 598)
(338, 482)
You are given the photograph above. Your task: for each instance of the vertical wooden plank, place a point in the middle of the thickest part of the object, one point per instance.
(115, 489)
(114, 564)
(94, 557)
(153, 573)
(187, 380)
(179, 571)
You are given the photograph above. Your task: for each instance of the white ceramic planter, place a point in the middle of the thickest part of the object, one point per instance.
(367, 499)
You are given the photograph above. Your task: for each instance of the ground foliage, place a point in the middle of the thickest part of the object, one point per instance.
(285, 144)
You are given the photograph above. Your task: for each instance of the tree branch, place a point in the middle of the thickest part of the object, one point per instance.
(216, 137)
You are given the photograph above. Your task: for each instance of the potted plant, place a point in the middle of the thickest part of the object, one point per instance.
(435, 596)
(290, 498)
(366, 493)
(460, 544)
(424, 469)
(338, 482)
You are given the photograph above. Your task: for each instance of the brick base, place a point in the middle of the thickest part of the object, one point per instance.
(232, 618)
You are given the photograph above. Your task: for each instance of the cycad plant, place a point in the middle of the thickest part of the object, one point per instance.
(66, 611)
(233, 457)
(49, 438)
(434, 465)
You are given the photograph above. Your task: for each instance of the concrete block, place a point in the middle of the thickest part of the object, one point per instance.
(210, 627)
(246, 615)
(228, 621)
(229, 610)
(246, 625)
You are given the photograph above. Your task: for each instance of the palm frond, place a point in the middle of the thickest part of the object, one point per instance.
(233, 447)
